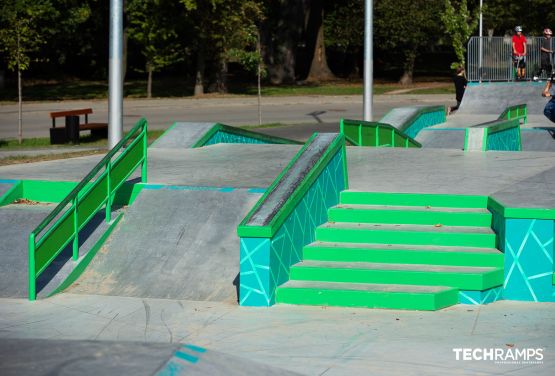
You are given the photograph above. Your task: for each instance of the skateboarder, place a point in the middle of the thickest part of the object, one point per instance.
(549, 91)
(460, 82)
(546, 54)
(519, 53)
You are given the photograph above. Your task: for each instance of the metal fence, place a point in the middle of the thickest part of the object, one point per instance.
(494, 63)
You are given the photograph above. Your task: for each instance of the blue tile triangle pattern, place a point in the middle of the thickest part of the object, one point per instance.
(508, 140)
(480, 297)
(529, 260)
(265, 263)
(222, 137)
(423, 121)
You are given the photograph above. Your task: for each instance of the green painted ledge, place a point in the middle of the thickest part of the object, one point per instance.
(521, 213)
(241, 132)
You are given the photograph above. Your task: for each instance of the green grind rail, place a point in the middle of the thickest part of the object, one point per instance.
(63, 224)
(365, 133)
(518, 111)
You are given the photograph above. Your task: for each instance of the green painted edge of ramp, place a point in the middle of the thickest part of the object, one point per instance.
(87, 258)
(12, 194)
(364, 299)
(415, 199)
(163, 134)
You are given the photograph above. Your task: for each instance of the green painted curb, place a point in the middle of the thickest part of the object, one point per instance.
(413, 199)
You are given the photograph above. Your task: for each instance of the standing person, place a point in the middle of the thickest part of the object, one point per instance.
(519, 53)
(546, 54)
(460, 82)
(549, 91)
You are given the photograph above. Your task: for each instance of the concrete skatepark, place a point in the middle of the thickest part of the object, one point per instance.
(167, 276)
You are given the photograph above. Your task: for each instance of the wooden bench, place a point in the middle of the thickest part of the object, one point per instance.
(97, 129)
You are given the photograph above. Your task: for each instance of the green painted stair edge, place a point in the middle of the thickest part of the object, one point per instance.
(87, 258)
(364, 299)
(416, 217)
(241, 132)
(357, 235)
(413, 199)
(393, 256)
(460, 280)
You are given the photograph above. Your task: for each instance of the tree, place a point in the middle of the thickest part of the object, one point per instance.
(405, 30)
(459, 24)
(24, 28)
(152, 25)
(217, 26)
(315, 42)
(281, 36)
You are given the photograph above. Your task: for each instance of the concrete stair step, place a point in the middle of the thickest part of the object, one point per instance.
(464, 278)
(420, 215)
(413, 199)
(403, 254)
(390, 296)
(467, 236)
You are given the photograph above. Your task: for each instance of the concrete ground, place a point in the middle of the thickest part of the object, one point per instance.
(118, 321)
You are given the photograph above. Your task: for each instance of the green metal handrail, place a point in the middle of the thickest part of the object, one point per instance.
(365, 133)
(85, 201)
(518, 111)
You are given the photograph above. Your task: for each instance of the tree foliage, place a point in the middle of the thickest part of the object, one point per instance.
(153, 26)
(459, 23)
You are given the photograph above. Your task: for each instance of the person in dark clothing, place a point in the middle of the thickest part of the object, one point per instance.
(460, 85)
(546, 54)
(549, 92)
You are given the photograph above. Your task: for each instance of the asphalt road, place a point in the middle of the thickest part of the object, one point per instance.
(161, 113)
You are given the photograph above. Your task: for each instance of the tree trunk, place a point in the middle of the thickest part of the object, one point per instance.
(281, 32)
(406, 78)
(319, 70)
(20, 107)
(149, 81)
(221, 80)
(199, 76)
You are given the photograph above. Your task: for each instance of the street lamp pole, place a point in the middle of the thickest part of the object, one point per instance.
(480, 54)
(368, 61)
(115, 79)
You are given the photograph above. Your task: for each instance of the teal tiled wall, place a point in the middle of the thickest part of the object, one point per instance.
(265, 262)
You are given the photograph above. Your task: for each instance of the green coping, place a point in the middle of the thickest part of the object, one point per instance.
(241, 132)
(414, 199)
(14, 193)
(286, 208)
(520, 213)
(462, 280)
(402, 256)
(368, 299)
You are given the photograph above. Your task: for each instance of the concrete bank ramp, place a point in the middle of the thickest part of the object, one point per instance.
(493, 98)
(173, 243)
(182, 135)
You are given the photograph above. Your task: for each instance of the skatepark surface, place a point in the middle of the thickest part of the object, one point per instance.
(168, 274)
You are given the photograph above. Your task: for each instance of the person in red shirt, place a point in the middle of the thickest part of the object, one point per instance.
(519, 53)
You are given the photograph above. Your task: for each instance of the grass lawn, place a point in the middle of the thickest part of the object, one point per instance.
(167, 88)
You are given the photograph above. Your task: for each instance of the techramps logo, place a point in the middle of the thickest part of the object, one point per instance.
(511, 355)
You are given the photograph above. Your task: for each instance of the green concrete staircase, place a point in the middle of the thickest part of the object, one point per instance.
(397, 251)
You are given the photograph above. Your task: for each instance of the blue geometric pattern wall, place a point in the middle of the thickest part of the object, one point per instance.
(480, 297)
(529, 260)
(265, 263)
(424, 121)
(221, 137)
(508, 140)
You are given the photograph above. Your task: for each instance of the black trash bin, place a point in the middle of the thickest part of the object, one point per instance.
(72, 129)
(58, 136)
